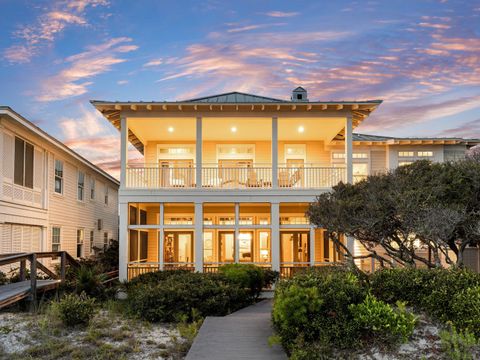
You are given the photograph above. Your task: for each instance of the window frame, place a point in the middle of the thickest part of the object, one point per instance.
(80, 186)
(53, 235)
(80, 242)
(106, 195)
(92, 188)
(27, 182)
(58, 176)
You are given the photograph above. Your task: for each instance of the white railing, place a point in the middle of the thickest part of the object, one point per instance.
(217, 177)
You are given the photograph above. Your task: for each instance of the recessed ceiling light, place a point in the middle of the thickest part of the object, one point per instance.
(170, 129)
(233, 129)
(301, 129)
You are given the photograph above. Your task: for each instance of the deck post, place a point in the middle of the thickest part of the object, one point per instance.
(23, 267)
(274, 152)
(33, 277)
(312, 246)
(275, 221)
(161, 238)
(237, 233)
(63, 264)
(123, 241)
(198, 239)
(198, 153)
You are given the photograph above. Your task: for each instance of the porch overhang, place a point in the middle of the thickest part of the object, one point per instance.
(113, 111)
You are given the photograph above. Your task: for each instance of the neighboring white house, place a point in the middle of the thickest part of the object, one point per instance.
(51, 198)
(228, 178)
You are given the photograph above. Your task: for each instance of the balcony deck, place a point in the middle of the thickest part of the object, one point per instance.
(214, 177)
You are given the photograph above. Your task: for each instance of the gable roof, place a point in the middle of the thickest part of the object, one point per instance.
(8, 111)
(234, 97)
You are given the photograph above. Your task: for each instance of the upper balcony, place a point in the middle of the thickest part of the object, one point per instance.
(236, 141)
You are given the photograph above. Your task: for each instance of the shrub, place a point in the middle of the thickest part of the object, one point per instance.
(313, 307)
(3, 278)
(379, 320)
(89, 281)
(246, 276)
(270, 277)
(466, 310)
(167, 296)
(75, 309)
(458, 345)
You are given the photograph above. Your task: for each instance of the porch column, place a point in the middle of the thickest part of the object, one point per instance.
(161, 237)
(237, 232)
(274, 152)
(312, 246)
(198, 154)
(275, 244)
(123, 151)
(123, 241)
(349, 166)
(198, 237)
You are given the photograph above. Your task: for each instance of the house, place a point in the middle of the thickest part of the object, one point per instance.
(51, 198)
(228, 178)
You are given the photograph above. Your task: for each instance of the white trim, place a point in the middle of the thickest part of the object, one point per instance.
(236, 156)
(187, 156)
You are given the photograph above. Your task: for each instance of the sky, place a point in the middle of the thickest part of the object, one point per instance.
(422, 57)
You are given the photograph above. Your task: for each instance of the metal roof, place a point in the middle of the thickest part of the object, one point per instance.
(234, 97)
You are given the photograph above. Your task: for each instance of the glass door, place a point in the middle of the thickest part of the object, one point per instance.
(178, 247)
(226, 246)
(245, 246)
(295, 247)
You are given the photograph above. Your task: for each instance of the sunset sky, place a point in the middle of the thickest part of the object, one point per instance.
(421, 57)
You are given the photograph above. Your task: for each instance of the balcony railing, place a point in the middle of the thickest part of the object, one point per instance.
(215, 177)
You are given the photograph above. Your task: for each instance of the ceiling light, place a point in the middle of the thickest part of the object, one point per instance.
(170, 129)
(301, 129)
(233, 129)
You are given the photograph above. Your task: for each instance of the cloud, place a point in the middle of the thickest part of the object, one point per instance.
(434, 26)
(74, 79)
(282, 14)
(122, 82)
(154, 62)
(469, 129)
(47, 27)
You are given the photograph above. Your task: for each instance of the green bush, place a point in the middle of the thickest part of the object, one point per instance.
(89, 281)
(379, 320)
(466, 310)
(458, 345)
(75, 310)
(313, 307)
(167, 296)
(3, 278)
(246, 276)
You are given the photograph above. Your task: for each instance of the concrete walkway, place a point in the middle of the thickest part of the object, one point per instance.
(241, 335)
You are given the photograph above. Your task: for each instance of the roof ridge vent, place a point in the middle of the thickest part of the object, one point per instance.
(299, 94)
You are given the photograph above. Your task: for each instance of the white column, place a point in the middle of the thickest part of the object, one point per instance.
(349, 148)
(312, 246)
(274, 152)
(198, 153)
(123, 151)
(237, 233)
(161, 237)
(123, 241)
(349, 166)
(198, 237)
(275, 243)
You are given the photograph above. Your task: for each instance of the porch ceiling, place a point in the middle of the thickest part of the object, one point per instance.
(236, 128)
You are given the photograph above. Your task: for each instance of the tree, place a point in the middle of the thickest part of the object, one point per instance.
(431, 206)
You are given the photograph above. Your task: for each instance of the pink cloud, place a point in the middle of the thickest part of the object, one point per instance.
(282, 14)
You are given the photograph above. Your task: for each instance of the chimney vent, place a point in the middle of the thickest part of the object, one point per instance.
(299, 94)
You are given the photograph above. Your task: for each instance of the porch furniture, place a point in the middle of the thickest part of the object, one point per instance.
(285, 180)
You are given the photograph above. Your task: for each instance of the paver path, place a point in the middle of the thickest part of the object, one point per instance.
(241, 335)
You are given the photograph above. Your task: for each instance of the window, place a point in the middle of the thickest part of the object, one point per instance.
(106, 194)
(105, 241)
(92, 236)
(80, 185)
(92, 188)
(425, 153)
(55, 239)
(59, 177)
(80, 239)
(360, 155)
(402, 163)
(406, 154)
(23, 170)
(337, 155)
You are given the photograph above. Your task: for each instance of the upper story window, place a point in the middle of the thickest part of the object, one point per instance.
(355, 155)
(92, 238)
(23, 171)
(337, 155)
(106, 194)
(80, 185)
(406, 154)
(425, 153)
(59, 176)
(92, 188)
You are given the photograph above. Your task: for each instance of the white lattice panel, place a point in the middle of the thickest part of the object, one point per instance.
(7, 191)
(17, 194)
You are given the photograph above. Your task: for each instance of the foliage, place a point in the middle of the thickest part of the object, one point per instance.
(75, 309)
(3, 278)
(89, 281)
(108, 259)
(270, 277)
(434, 206)
(381, 321)
(458, 345)
(313, 307)
(448, 295)
(166, 296)
(246, 276)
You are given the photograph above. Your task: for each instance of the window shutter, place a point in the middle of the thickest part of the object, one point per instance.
(36, 238)
(26, 238)
(16, 238)
(6, 236)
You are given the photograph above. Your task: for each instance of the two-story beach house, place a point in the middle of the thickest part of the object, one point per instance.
(51, 198)
(228, 178)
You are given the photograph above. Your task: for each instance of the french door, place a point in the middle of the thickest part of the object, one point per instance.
(295, 247)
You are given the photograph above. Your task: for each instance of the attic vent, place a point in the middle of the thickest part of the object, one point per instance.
(299, 94)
